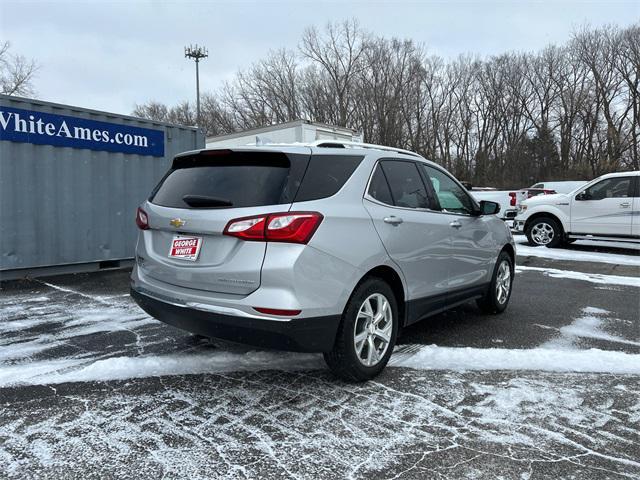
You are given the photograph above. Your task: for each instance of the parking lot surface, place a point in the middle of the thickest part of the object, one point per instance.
(91, 387)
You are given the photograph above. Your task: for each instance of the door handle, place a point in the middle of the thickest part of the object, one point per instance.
(393, 220)
(455, 224)
(625, 205)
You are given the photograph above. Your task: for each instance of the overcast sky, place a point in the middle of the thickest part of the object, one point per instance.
(111, 55)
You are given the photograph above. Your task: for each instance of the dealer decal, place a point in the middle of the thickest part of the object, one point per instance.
(185, 248)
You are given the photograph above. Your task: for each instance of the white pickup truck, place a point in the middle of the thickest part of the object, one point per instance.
(508, 200)
(607, 208)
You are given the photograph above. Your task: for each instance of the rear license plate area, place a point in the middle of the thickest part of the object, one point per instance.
(185, 247)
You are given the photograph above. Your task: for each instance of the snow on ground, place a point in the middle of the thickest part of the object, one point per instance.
(307, 425)
(50, 339)
(430, 357)
(30, 356)
(541, 359)
(577, 253)
(177, 406)
(587, 277)
(590, 325)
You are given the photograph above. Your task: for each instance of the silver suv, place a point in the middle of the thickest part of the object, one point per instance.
(328, 247)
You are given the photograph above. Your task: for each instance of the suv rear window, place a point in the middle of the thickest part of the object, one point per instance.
(237, 179)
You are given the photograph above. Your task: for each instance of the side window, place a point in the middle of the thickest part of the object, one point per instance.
(407, 188)
(620, 187)
(451, 196)
(325, 175)
(379, 188)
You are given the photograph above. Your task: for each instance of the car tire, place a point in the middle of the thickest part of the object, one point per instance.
(359, 340)
(497, 297)
(544, 231)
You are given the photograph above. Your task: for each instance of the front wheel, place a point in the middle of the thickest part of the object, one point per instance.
(497, 297)
(367, 332)
(544, 231)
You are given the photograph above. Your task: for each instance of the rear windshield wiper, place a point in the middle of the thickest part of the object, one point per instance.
(206, 201)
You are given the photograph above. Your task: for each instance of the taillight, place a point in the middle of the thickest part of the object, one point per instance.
(294, 227)
(247, 228)
(290, 227)
(513, 199)
(142, 220)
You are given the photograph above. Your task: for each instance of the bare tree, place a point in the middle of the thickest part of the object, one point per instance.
(16, 72)
(568, 111)
(339, 53)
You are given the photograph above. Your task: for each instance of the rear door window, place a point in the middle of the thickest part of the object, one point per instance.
(231, 180)
(326, 175)
(379, 188)
(407, 188)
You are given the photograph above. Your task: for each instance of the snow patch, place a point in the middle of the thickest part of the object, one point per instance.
(417, 357)
(576, 256)
(121, 368)
(586, 277)
(593, 360)
(589, 325)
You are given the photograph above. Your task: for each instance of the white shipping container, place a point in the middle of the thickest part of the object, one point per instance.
(298, 131)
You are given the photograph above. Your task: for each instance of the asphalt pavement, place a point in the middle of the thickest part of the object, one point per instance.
(91, 387)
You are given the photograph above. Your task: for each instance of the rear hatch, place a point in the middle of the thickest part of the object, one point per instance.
(189, 209)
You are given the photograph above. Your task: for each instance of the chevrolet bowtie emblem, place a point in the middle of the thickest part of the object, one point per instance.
(177, 222)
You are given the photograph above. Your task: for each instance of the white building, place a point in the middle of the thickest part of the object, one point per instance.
(297, 131)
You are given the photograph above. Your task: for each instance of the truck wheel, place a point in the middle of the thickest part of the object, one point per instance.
(544, 231)
(367, 333)
(497, 297)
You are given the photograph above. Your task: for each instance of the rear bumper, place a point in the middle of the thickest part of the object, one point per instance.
(314, 334)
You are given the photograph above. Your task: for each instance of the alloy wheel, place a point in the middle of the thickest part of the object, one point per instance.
(542, 233)
(373, 329)
(503, 282)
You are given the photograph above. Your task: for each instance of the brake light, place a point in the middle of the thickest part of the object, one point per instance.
(277, 311)
(513, 201)
(142, 220)
(290, 227)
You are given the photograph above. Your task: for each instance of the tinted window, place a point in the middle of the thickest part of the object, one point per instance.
(620, 187)
(407, 188)
(451, 196)
(379, 188)
(236, 178)
(326, 175)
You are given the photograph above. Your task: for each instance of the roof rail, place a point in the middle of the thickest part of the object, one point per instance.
(347, 144)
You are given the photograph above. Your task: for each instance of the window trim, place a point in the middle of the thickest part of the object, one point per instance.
(464, 190)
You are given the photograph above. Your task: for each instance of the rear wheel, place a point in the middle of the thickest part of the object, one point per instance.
(544, 231)
(367, 332)
(497, 297)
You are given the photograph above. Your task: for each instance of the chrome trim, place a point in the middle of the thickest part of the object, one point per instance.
(234, 312)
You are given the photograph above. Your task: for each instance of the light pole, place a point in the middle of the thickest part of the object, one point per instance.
(195, 52)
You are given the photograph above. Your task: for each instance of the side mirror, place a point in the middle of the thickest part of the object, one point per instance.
(489, 208)
(582, 196)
